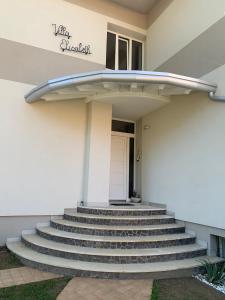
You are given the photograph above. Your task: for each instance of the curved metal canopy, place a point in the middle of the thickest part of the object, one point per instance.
(109, 83)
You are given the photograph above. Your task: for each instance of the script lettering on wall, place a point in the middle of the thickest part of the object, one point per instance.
(65, 45)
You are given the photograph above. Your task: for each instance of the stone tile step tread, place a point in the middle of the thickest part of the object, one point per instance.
(72, 235)
(92, 216)
(125, 207)
(37, 240)
(114, 227)
(24, 252)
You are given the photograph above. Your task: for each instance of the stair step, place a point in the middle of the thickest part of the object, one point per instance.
(117, 220)
(135, 210)
(115, 241)
(102, 270)
(94, 229)
(49, 247)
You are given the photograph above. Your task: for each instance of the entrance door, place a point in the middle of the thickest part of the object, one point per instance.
(119, 168)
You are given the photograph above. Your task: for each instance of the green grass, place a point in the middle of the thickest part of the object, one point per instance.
(183, 289)
(155, 291)
(44, 290)
(8, 260)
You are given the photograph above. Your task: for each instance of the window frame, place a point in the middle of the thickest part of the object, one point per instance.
(128, 50)
(129, 56)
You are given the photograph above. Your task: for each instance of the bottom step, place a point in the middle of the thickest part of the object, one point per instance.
(103, 270)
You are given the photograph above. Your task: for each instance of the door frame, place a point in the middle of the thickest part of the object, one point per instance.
(128, 135)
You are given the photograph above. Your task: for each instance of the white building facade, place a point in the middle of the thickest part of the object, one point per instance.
(101, 130)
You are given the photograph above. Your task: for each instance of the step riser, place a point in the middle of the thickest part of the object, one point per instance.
(92, 258)
(125, 233)
(115, 275)
(118, 212)
(115, 259)
(114, 245)
(119, 222)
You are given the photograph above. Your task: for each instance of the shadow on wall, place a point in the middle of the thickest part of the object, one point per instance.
(68, 113)
(182, 153)
(172, 119)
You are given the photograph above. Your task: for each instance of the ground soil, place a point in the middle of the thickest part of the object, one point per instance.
(184, 289)
(8, 260)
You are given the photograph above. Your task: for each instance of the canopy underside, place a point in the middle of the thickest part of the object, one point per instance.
(131, 93)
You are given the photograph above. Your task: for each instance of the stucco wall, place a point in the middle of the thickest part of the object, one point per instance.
(217, 75)
(180, 23)
(12, 227)
(183, 159)
(30, 22)
(41, 153)
(98, 153)
(43, 145)
(138, 172)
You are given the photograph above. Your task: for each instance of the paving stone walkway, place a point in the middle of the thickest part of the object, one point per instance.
(104, 289)
(81, 288)
(23, 275)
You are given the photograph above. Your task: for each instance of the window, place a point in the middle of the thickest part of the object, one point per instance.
(123, 126)
(123, 53)
(220, 245)
(217, 245)
(111, 50)
(136, 55)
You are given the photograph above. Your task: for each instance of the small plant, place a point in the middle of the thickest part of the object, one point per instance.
(214, 272)
(135, 194)
(136, 198)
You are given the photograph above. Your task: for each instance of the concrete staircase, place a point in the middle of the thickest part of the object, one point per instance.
(122, 242)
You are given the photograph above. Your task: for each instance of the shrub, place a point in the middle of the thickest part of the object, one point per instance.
(214, 272)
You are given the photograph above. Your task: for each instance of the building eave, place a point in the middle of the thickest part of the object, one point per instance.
(139, 77)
